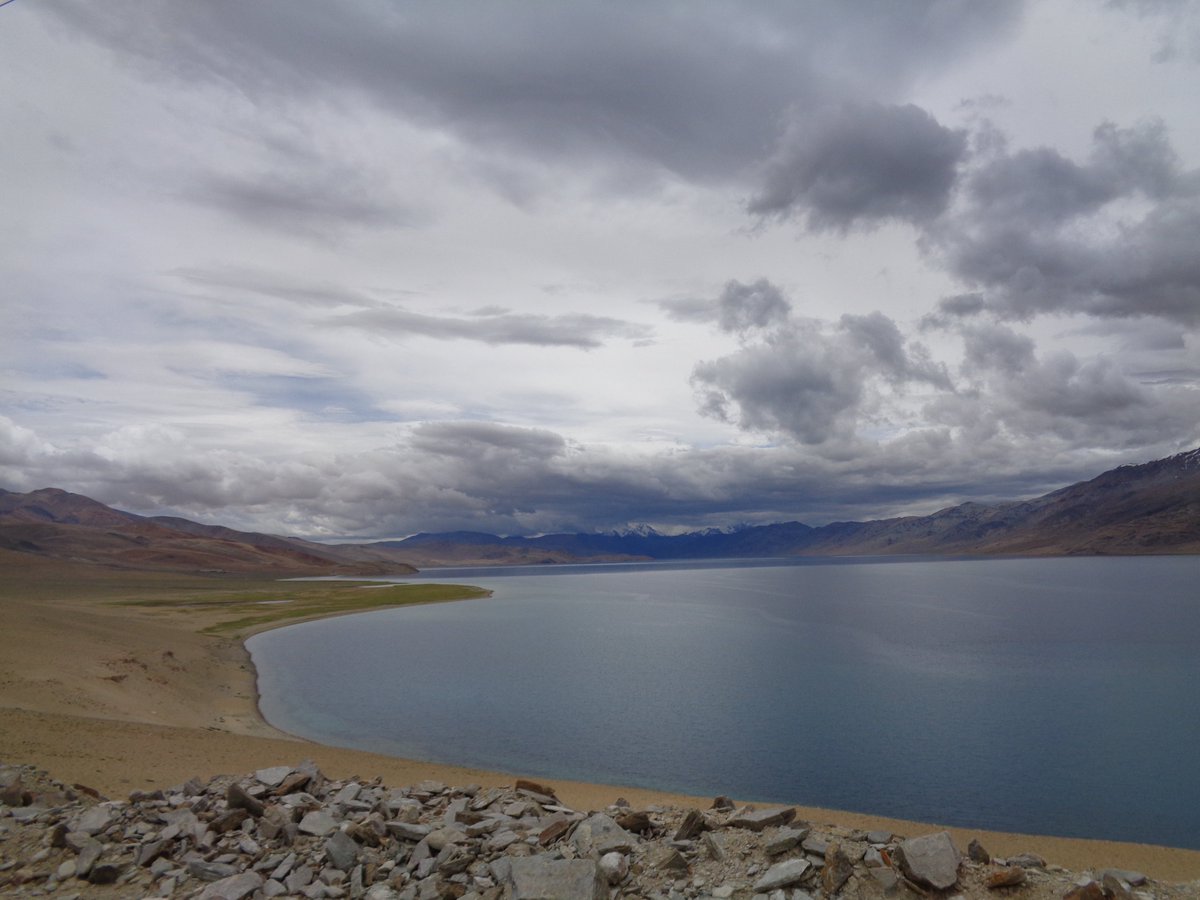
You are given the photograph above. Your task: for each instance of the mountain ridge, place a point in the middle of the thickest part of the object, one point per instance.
(1149, 508)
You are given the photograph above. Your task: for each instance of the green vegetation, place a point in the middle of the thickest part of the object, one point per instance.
(226, 605)
(244, 611)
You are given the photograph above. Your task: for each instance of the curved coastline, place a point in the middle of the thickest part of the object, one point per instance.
(1161, 862)
(120, 696)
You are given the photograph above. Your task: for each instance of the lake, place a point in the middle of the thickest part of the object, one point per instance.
(1050, 696)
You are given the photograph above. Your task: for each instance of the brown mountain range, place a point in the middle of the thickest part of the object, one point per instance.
(1144, 509)
(55, 523)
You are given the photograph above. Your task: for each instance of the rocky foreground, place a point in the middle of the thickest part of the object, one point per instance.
(290, 832)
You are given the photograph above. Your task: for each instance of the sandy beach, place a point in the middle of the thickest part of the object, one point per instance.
(107, 680)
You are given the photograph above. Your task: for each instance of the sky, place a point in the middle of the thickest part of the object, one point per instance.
(361, 269)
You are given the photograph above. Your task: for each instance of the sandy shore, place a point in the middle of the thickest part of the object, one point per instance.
(122, 697)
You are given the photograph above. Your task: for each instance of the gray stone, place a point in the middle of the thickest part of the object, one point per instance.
(94, 820)
(237, 798)
(104, 873)
(815, 844)
(318, 823)
(759, 819)
(600, 835)
(691, 826)
(88, 856)
(837, 869)
(930, 860)
(1027, 861)
(782, 875)
(879, 837)
(614, 867)
(234, 887)
(715, 845)
(1134, 879)
(148, 853)
(976, 852)
(408, 831)
(667, 859)
(783, 840)
(210, 871)
(341, 851)
(538, 878)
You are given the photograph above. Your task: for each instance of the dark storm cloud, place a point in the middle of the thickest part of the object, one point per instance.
(496, 327)
(1039, 233)
(861, 165)
(696, 88)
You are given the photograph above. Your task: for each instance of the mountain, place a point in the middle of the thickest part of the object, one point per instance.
(55, 523)
(1149, 508)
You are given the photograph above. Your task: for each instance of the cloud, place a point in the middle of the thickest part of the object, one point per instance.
(315, 204)
(1038, 233)
(578, 330)
(695, 89)
(861, 165)
(813, 382)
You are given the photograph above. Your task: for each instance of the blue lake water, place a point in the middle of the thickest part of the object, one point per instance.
(1051, 696)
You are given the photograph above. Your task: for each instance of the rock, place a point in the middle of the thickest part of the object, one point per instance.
(1027, 861)
(104, 873)
(88, 856)
(691, 826)
(636, 822)
(715, 845)
(532, 787)
(234, 887)
(930, 860)
(759, 819)
(148, 853)
(237, 798)
(210, 871)
(14, 794)
(600, 835)
(341, 851)
(273, 776)
(667, 859)
(1009, 876)
(1114, 887)
(318, 823)
(94, 820)
(229, 820)
(1134, 879)
(815, 844)
(722, 803)
(408, 831)
(783, 874)
(886, 878)
(538, 878)
(1090, 891)
(976, 853)
(553, 832)
(837, 870)
(614, 867)
(783, 840)
(879, 837)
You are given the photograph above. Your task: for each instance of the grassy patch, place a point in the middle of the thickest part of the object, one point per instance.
(241, 611)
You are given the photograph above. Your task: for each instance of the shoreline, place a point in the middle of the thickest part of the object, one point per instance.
(121, 700)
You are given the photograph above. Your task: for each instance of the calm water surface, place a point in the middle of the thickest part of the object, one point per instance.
(1056, 696)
